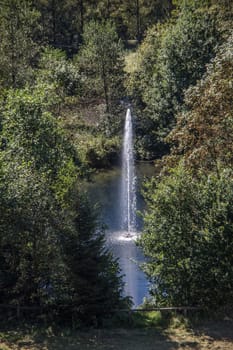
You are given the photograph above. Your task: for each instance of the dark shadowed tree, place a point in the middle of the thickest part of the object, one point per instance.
(18, 49)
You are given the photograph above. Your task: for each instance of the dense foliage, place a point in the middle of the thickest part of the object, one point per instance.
(188, 239)
(65, 70)
(49, 235)
(18, 49)
(188, 222)
(100, 61)
(172, 58)
(204, 131)
(63, 21)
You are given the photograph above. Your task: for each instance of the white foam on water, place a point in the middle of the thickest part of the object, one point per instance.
(123, 236)
(126, 236)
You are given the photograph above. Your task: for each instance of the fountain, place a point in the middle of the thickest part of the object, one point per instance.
(128, 181)
(118, 194)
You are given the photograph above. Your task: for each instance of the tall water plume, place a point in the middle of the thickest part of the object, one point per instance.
(128, 181)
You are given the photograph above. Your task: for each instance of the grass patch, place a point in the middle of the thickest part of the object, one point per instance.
(137, 331)
(153, 319)
(131, 62)
(141, 320)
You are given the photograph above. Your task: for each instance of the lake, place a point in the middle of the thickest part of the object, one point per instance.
(105, 190)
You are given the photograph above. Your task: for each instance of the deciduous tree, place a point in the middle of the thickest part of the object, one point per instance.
(188, 239)
(100, 59)
(203, 136)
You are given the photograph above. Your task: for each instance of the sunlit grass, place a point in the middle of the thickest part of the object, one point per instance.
(134, 331)
(131, 62)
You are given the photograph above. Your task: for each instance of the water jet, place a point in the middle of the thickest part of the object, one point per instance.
(128, 180)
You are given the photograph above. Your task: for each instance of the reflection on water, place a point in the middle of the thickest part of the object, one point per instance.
(105, 190)
(130, 257)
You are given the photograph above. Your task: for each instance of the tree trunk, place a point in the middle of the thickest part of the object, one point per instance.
(108, 8)
(13, 56)
(81, 16)
(54, 22)
(138, 20)
(105, 85)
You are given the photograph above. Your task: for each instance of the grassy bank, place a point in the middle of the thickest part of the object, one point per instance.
(152, 332)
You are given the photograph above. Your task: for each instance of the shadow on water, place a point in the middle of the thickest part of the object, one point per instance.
(105, 190)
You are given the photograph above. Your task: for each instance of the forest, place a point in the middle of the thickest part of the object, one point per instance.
(67, 68)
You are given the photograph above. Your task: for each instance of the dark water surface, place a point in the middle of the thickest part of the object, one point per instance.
(105, 190)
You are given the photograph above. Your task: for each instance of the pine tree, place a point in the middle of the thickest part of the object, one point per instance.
(93, 274)
(18, 49)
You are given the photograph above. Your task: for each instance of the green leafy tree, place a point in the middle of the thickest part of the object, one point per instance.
(133, 17)
(18, 48)
(203, 136)
(32, 134)
(52, 250)
(100, 60)
(188, 239)
(139, 15)
(34, 190)
(61, 22)
(183, 47)
(56, 69)
(28, 233)
(140, 68)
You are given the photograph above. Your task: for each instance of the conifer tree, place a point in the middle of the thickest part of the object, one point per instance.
(18, 49)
